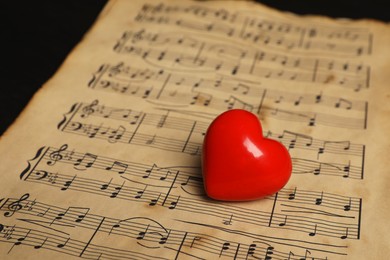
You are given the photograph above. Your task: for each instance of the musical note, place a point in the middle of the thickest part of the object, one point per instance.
(251, 250)
(314, 232)
(269, 252)
(140, 193)
(343, 103)
(173, 204)
(149, 171)
(117, 191)
(319, 200)
(229, 221)
(141, 235)
(164, 177)
(225, 246)
(68, 183)
(291, 196)
(116, 134)
(81, 213)
(62, 245)
(119, 167)
(105, 185)
(41, 245)
(19, 241)
(347, 170)
(284, 222)
(345, 236)
(85, 162)
(196, 238)
(305, 257)
(153, 202)
(76, 214)
(164, 239)
(347, 207)
(151, 140)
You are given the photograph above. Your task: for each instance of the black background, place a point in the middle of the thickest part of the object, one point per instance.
(37, 36)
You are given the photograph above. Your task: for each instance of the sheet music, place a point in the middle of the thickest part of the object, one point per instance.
(104, 163)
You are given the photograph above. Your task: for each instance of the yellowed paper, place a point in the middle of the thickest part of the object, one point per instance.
(104, 163)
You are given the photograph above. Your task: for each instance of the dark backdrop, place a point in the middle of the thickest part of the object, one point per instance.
(37, 36)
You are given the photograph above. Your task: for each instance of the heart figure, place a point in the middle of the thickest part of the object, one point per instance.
(238, 163)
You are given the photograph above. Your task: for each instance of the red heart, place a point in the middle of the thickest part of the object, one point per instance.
(238, 162)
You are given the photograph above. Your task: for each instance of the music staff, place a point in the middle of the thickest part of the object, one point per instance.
(279, 105)
(261, 30)
(231, 60)
(140, 230)
(192, 202)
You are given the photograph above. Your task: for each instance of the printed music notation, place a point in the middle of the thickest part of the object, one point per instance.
(116, 174)
(261, 29)
(146, 236)
(171, 132)
(189, 53)
(187, 90)
(180, 188)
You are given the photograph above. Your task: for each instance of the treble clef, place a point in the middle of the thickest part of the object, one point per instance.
(87, 110)
(56, 155)
(16, 205)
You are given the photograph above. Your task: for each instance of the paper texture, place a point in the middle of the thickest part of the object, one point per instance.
(104, 163)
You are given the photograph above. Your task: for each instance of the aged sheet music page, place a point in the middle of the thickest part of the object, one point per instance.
(104, 163)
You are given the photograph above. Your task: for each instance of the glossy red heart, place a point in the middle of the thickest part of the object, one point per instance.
(238, 163)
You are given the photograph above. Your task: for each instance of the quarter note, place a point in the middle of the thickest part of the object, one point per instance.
(106, 185)
(251, 250)
(164, 239)
(117, 191)
(228, 221)
(347, 207)
(80, 213)
(225, 246)
(284, 222)
(68, 183)
(148, 172)
(346, 170)
(312, 120)
(345, 235)
(312, 234)
(291, 196)
(19, 241)
(142, 234)
(196, 238)
(62, 245)
(140, 193)
(318, 98)
(305, 257)
(40, 245)
(153, 202)
(173, 204)
(319, 200)
(269, 252)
